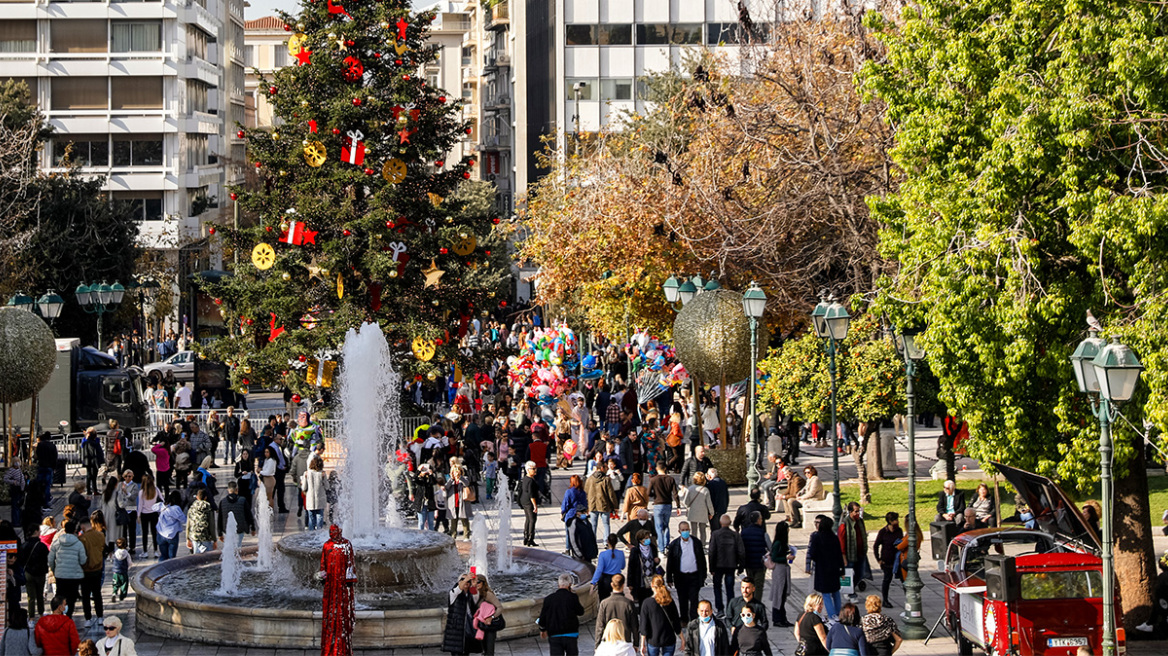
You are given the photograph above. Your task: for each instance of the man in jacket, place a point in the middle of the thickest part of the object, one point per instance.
(698, 462)
(719, 492)
(634, 526)
(230, 434)
(727, 556)
(663, 492)
(771, 480)
(748, 598)
(92, 458)
(951, 505)
(755, 543)
(46, 457)
(741, 518)
(616, 607)
(706, 636)
(602, 501)
(201, 443)
(527, 497)
(66, 558)
(686, 571)
(56, 634)
(787, 499)
(559, 620)
(201, 524)
(94, 542)
(297, 467)
(36, 570)
(238, 506)
(853, 537)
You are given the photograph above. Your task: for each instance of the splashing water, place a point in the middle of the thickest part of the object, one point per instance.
(503, 558)
(478, 543)
(229, 573)
(370, 403)
(265, 554)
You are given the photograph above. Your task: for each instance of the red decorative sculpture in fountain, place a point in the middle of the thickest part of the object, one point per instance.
(336, 570)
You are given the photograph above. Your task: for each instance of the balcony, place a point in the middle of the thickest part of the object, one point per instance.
(202, 175)
(498, 103)
(499, 18)
(197, 68)
(496, 142)
(493, 62)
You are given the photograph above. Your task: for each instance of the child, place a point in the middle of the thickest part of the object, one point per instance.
(491, 473)
(122, 564)
(440, 518)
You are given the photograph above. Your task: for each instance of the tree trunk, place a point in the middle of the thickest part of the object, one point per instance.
(723, 400)
(875, 459)
(1135, 566)
(859, 455)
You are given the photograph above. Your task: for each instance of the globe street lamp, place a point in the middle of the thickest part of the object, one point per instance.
(48, 305)
(99, 299)
(831, 321)
(914, 620)
(753, 304)
(1109, 373)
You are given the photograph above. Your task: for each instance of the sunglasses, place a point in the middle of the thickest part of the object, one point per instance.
(111, 628)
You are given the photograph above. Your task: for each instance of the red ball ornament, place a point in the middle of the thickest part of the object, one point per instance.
(356, 102)
(442, 251)
(390, 225)
(302, 358)
(218, 301)
(470, 162)
(495, 220)
(211, 230)
(369, 171)
(438, 342)
(377, 55)
(336, 130)
(397, 62)
(440, 163)
(250, 321)
(406, 78)
(346, 232)
(268, 228)
(488, 252)
(350, 43)
(468, 130)
(466, 175)
(502, 303)
(272, 90)
(245, 381)
(239, 134)
(259, 164)
(442, 99)
(296, 397)
(284, 373)
(234, 196)
(287, 28)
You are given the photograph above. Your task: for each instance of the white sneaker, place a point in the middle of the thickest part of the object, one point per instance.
(1147, 628)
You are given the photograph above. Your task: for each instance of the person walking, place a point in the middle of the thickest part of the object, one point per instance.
(528, 491)
(18, 640)
(149, 505)
(421, 488)
(754, 540)
(609, 564)
(92, 459)
(115, 644)
(727, 556)
(699, 508)
(237, 506)
(266, 470)
(719, 493)
(706, 636)
(781, 556)
(66, 559)
(663, 492)
(809, 628)
(636, 497)
(884, 548)
(127, 509)
(853, 537)
(846, 637)
(660, 622)
(314, 485)
(46, 459)
(686, 570)
(231, 426)
(643, 562)
(880, 630)
(56, 634)
(749, 638)
(602, 501)
(93, 571)
(824, 551)
(559, 619)
(461, 495)
(201, 525)
(614, 641)
(748, 599)
(171, 522)
(617, 606)
(35, 558)
(573, 506)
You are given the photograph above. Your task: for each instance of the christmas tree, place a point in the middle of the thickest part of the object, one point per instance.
(356, 214)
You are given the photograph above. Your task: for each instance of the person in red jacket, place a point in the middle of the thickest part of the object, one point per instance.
(55, 633)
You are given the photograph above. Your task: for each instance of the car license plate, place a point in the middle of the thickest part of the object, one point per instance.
(1066, 642)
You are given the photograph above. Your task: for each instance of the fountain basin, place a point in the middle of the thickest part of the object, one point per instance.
(246, 624)
(386, 562)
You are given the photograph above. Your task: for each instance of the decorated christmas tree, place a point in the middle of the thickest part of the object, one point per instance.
(354, 213)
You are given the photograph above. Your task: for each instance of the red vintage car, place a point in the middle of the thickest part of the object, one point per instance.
(1028, 590)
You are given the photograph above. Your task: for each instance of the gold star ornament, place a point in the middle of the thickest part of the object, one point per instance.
(433, 274)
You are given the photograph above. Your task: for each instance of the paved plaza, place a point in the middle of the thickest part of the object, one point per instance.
(551, 536)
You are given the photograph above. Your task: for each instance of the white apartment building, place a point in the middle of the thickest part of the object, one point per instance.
(265, 47)
(139, 92)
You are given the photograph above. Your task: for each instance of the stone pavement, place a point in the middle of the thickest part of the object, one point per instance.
(551, 536)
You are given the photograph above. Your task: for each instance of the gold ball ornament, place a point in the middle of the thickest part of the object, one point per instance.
(263, 256)
(432, 376)
(712, 337)
(285, 276)
(315, 153)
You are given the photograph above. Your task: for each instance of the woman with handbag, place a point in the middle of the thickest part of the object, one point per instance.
(127, 510)
(488, 625)
(846, 638)
(809, 629)
(460, 496)
(781, 555)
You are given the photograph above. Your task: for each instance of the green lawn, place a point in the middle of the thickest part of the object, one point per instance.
(893, 496)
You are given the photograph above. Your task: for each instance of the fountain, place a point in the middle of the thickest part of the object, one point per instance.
(503, 553)
(403, 574)
(229, 580)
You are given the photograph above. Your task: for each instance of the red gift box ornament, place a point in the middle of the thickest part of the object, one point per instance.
(353, 150)
(298, 234)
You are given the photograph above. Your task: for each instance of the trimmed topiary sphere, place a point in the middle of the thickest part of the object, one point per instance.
(28, 355)
(712, 335)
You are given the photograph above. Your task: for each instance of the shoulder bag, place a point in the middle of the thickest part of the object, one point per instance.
(800, 650)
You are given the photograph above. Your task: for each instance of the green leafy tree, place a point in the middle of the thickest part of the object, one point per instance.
(357, 92)
(1031, 137)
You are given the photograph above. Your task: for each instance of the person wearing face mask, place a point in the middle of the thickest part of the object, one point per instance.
(686, 571)
(643, 561)
(706, 636)
(747, 600)
(749, 638)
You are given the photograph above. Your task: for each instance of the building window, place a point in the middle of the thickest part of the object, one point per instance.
(616, 89)
(652, 34)
(144, 36)
(137, 150)
(196, 42)
(467, 56)
(85, 150)
(615, 35)
(136, 93)
(587, 88)
(249, 56)
(580, 35)
(686, 34)
(196, 96)
(280, 57)
(18, 36)
(73, 93)
(72, 35)
(143, 205)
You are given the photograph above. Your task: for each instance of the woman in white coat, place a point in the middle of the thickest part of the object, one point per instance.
(114, 643)
(699, 508)
(314, 485)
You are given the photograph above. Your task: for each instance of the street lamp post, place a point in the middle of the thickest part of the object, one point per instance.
(99, 299)
(1109, 373)
(753, 304)
(830, 321)
(48, 305)
(914, 620)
